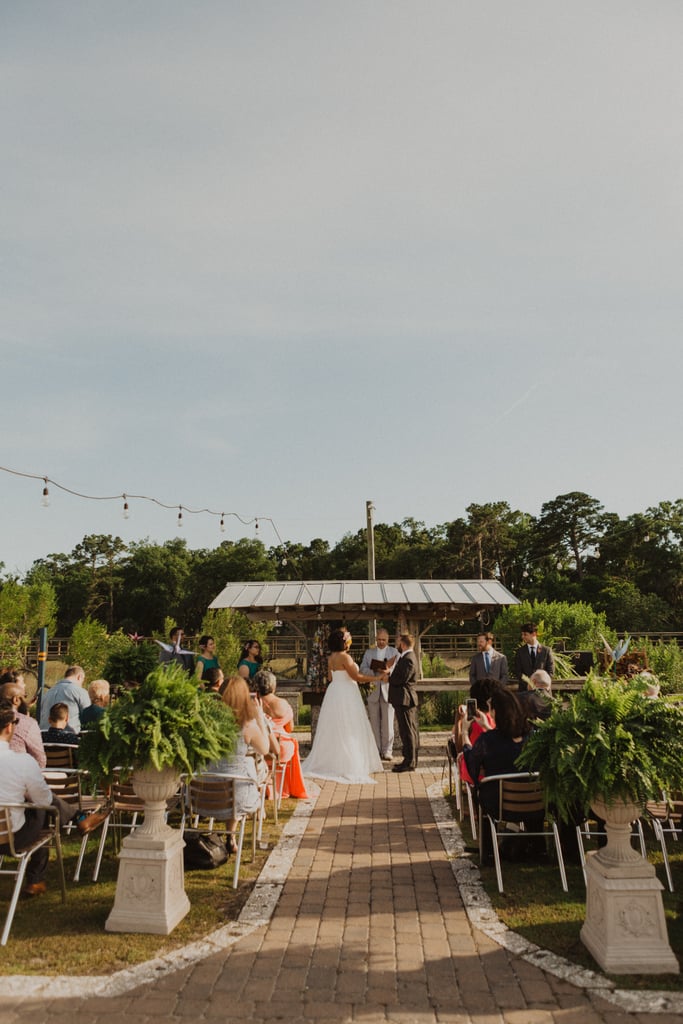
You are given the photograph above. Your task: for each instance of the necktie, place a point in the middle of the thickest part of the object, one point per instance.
(487, 662)
(532, 652)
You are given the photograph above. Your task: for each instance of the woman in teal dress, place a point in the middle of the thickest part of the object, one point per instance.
(250, 660)
(206, 659)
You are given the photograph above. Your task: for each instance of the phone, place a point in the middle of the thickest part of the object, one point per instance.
(471, 708)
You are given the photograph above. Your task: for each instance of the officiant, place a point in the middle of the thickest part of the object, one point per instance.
(380, 712)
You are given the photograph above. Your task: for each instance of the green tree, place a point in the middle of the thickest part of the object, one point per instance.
(568, 528)
(24, 609)
(155, 582)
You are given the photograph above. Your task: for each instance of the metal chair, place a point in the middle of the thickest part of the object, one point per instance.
(661, 814)
(48, 836)
(520, 801)
(211, 798)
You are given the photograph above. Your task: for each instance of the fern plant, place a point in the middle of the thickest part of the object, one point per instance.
(164, 723)
(610, 742)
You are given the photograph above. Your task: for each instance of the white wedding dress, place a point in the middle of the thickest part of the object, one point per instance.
(344, 749)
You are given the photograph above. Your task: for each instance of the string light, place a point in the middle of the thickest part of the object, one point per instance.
(45, 502)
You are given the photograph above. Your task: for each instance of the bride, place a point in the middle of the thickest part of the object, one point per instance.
(344, 749)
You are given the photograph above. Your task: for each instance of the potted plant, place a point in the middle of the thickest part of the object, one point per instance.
(612, 749)
(155, 733)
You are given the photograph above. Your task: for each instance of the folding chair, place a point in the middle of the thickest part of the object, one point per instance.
(462, 786)
(661, 814)
(61, 755)
(212, 797)
(519, 798)
(49, 835)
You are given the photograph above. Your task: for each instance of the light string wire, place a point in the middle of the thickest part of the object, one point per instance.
(145, 497)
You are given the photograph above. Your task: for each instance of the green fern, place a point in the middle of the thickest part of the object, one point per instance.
(166, 722)
(612, 741)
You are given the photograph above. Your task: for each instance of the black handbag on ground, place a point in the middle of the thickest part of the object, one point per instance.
(204, 851)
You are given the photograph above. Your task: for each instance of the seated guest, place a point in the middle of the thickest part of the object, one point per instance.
(21, 781)
(212, 681)
(254, 739)
(281, 715)
(70, 691)
(537, 700)
(495, 752)
(59, 731)
(100, 695)
(480, 691)
(26, 734)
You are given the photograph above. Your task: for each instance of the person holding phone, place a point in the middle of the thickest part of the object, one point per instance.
(467, 721)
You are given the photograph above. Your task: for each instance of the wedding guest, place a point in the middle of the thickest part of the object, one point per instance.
(281, 715)
(213, 681)
(26, 736)
(206, 659)
(70, 691)
(250, 659)
(100, 695)
(58, 731)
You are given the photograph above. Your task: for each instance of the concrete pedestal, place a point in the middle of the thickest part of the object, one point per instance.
(625, 929)
(150, 891)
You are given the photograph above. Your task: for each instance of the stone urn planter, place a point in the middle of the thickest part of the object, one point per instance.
(161, 730)
(612, 749)
(150, 891)
(625, 928)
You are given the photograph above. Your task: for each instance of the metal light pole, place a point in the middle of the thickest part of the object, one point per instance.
(369, 509)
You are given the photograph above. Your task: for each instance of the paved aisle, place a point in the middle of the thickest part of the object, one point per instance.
(370, 927)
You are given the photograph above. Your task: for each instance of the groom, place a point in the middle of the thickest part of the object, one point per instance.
(403, 697)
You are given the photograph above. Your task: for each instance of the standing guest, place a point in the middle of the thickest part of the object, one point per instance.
(206, 659)
(69, 691)
(403, 696)
(488, 663)
(100, 695)
(59, 731)
(26, 736)
(380, 712)
(532, 655)
(250, 660)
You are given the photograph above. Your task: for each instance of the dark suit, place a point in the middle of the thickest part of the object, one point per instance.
(403, 698)
(525, 666)
(498, 669)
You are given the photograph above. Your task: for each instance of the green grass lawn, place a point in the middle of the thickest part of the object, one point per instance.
(535, 906)
(51, 938)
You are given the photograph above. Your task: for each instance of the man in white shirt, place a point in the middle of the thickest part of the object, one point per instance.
(380, 712)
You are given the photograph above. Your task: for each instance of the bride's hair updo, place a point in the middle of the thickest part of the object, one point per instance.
(337, 641)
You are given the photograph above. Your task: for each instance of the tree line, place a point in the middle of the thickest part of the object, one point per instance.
(573, 551)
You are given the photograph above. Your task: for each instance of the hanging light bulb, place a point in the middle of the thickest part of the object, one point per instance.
(180, 517)
(222, 522)
(126, 511)
(256, 525)
(45, 500)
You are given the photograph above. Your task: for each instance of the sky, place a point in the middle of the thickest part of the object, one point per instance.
(280, 259)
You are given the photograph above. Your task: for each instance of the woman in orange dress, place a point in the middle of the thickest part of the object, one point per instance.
(281, 715)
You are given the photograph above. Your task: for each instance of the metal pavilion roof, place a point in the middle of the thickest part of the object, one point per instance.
(363, 598)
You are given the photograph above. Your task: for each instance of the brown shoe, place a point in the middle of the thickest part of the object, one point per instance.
(35, 889)
(92, 821)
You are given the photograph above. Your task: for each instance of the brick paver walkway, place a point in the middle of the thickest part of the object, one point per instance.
(370, 927)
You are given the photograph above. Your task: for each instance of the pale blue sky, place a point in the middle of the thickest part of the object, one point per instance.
(280, 259)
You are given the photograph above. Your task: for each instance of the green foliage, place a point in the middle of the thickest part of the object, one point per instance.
(611, 741)
(437, 709)
(129, 662)
(577, 625)
(666, 661)
(164, 723)
(24, 609)
(89, 647)
(435, 667)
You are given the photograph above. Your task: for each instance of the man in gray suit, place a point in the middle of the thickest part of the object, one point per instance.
(487, 663)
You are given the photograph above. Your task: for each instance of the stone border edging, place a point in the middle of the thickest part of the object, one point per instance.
(257, 911)
(482, 915)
